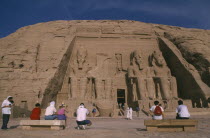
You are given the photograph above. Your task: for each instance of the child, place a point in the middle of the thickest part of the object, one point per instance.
(36, 112)
(94, 112)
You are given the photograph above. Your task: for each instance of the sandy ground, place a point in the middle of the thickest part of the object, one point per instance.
(106, 128)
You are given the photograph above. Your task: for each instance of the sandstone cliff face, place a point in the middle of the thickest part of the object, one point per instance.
(33, 60)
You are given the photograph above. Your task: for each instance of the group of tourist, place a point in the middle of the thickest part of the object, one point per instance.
(157, 111)
(51, 113)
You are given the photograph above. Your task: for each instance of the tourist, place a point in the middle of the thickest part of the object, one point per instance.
(94, 112)
(36, 112)
(129, 113)
(82, 113)
(6, 111)
(61, 112)
(182, 111)
(50, 113)
(157, 111)
(137, 111)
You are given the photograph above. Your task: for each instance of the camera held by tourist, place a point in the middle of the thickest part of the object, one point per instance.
(182, 111)
(6, 111)
(36, 112)
(157, 111)
(50, 113)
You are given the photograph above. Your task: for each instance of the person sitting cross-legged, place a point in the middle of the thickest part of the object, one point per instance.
(182, 111)
(82, 113)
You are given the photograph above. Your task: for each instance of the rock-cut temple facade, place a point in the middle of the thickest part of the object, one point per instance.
(105, 64)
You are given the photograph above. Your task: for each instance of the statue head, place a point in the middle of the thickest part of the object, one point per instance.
(81, 57)
(158, 59)
(137, 58)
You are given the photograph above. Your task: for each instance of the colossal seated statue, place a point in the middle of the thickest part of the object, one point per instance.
(102, 79)
(140, 76)
(78, 74)
(165, 84)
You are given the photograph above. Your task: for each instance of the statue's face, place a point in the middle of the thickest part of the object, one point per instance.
(159, 60)
(138, 59)
(81, 61)
(81, 57)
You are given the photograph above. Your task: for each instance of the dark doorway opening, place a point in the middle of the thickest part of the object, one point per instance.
(121, 96)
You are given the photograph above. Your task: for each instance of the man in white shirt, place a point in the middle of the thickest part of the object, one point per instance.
(157, 111)
(182, 111)
(82, 113)
(6, 111)
(50, 112)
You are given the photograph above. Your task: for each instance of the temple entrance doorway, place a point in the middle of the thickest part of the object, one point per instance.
(121, 96)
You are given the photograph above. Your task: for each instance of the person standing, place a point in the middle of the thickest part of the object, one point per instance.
(129, 114)
(6, 111)
(137, 111)
(182, 111)
(157, 111)
(36, 112)
(50, 113)
(82, 113)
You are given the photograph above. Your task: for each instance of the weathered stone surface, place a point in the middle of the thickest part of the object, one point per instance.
(171, 125)
(52, 124)
(89, 61)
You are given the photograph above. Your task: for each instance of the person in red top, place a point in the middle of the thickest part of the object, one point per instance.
(36, 112)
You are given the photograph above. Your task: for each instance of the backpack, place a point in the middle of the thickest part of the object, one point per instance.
(158, 111)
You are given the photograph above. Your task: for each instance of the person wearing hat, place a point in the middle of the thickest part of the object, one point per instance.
(61, 112)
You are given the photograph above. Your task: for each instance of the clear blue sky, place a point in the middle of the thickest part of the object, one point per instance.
(185, 13)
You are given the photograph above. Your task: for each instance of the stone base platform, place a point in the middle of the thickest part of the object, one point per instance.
(171, 125)
(42, 124)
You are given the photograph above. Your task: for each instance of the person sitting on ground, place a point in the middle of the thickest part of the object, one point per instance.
(157, 111)
(36, 112)
(182, 111)
(50, 113)
(94, 112)
(82, 113)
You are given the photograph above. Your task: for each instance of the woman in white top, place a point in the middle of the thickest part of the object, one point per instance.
(50, 113)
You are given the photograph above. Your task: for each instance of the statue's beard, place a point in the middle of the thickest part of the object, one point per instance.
(80, 64)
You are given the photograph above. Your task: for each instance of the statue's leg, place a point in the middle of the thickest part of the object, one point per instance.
(141, 88)
(150, 88)
(99, 88)
(108, 88)
(174, 87)
(73, 87)
(164, 87)
(83, 87)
